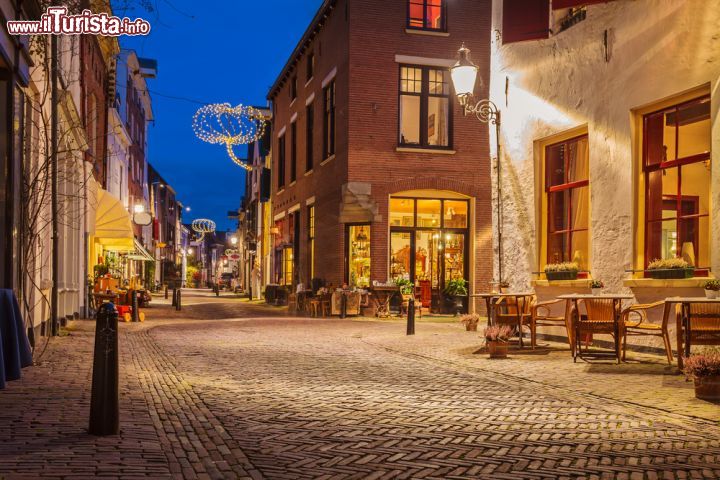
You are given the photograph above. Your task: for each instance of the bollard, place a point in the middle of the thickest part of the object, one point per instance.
(343, 305)
(134, 305)
(104, 400)
(411, 317)
(217, 290)
(166, 292)
(174, 299)
(178, 302)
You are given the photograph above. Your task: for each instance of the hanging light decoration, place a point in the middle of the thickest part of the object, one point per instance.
(203, 226)
(223, 124)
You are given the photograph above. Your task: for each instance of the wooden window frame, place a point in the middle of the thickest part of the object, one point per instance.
(329, 120)
(426, 20)
(648, 169)
(425, 96)
(567, 186)
(311, 241)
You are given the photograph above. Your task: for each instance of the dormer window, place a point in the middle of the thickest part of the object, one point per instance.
(427, 15)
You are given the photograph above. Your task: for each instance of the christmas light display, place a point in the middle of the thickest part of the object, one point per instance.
(223, 124)
(203, 226)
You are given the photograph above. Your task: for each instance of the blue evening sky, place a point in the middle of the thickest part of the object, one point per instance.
(212, 52)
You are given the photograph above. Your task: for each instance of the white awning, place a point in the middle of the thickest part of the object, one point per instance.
(140, 253)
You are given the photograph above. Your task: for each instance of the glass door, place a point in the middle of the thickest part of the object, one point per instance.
(453, 256)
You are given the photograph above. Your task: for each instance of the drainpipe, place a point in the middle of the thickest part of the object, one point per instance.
(54, 300)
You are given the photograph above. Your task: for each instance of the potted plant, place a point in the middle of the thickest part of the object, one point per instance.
(496, 339)
(470, 321)
(562, 271)
(670, 268)
(455, 292)
(596, 287)
(705, 371)
(712, 289)
(504, 286)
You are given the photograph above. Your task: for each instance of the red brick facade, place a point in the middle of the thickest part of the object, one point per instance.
(360, 41)
(94, 81)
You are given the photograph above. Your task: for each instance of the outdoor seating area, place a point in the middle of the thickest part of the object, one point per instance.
(612, 317)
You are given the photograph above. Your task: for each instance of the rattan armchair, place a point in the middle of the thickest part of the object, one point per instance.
(600, 319)
(704, 321)
(635, 323)
(542, 316)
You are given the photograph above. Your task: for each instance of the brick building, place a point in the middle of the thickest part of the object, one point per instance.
(376, 172)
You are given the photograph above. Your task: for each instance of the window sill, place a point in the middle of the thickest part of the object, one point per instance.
(280, 191)
(292, 184)
(308, 173)
(695, 282)
(309, 80)
(293, 101)
(579, 283)
(431, 33)
(437, 151)
(331, 157)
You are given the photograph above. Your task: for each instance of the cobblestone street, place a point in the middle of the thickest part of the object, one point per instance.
(225, 389)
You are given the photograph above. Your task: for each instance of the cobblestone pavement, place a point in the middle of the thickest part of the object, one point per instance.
(270, 397)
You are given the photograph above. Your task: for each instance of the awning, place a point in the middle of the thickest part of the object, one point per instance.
(113, 227)
(140, 253)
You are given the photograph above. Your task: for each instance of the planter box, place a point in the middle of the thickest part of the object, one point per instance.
(671, 273)
(497, 349)
(569, 275)
(707, 388)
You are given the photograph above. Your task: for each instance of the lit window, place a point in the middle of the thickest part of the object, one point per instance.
(676, 166)
(425, 118)
(311, 240)
(427, 14)
(358, 267)
(567, 199)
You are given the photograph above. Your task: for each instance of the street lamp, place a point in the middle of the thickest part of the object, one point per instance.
(234, 240)
(464, 76)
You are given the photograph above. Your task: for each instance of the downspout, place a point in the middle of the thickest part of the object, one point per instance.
(54, 326)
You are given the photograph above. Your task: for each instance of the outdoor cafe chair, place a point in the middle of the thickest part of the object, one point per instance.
(704, 321)
(635, 323)
(515, 312)
(599, 319)
(542, 316)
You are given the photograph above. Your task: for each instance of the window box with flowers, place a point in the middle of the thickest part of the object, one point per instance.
(562, 271)
(671, 268)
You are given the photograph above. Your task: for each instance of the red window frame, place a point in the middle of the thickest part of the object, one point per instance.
(412, 22)
(679, 198)
(568, 186)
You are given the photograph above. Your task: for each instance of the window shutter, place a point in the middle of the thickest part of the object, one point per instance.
(557, 4)
(525, 20)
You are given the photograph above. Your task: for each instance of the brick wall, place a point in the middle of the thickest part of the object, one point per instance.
(94, 78)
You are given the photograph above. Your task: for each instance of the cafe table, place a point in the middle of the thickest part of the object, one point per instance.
(15, 352)
(683, 321)
(382, 296)
(494, 297)
(617, 299)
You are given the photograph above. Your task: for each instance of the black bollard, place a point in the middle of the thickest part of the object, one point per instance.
(104, 401)
(343, 305)
(134, 305)
(411, 317)
(166, 292)
(178, 302)
(174, 299)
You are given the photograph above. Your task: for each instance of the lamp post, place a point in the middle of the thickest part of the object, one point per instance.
(464, 76)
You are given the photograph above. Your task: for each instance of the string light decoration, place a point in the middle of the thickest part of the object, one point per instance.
(231, 251)
(203, 226)
(223, 124)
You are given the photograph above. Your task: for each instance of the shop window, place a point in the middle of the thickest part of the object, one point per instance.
(358, 256)
(456, 214)
(567, 201)
(329, 120)
(288, 263)
(425, 114)
(427, 15)
(676, 166)
(402, 212)
(311, 241)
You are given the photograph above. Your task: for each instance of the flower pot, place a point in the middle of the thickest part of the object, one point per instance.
(596, 291)
(497, 349)
(471, 327)
(711, 294)
(671, 273)
(707, 388)
(566, 275)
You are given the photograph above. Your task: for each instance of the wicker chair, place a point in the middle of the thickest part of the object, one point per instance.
(635, 323)
(704, 327)
(509, 312)
(542, 317)
(600, 319)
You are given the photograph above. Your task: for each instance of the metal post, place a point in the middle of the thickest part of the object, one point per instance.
(411, 317)
(166, 292)
(174, 298)
(178, 302)
(104, 400)
(343, 305)
(134, 305)
(54, 99)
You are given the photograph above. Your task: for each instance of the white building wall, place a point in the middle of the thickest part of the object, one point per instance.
(657, 49)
